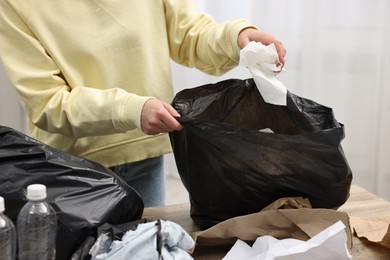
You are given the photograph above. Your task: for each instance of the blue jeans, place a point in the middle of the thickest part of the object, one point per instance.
(146, 177)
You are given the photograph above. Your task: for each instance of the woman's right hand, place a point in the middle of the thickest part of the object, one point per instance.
(159, 117)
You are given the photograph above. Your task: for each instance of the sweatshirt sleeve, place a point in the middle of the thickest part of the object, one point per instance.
(50, 103)
(196, 40)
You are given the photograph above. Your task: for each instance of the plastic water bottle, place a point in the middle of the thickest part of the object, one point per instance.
(36, 226)
(7, 235)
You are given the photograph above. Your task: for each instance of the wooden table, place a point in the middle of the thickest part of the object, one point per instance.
(361, 203)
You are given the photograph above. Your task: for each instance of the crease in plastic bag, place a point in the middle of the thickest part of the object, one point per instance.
(83, 193)
(230, 167)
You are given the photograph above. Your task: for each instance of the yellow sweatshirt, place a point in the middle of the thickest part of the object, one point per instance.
(84, 69)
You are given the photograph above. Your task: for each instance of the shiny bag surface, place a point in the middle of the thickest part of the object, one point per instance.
(83, 193)
(237, 153)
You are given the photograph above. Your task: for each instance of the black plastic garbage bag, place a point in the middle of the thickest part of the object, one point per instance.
(237, 154)
(83, 193)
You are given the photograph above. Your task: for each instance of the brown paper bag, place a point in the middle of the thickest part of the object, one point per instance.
(376, 230)
(280, 220)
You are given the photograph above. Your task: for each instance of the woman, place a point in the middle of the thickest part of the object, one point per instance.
(94, 76)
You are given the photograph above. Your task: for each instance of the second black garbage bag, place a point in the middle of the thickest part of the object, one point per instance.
(237, 153)
(83, 193)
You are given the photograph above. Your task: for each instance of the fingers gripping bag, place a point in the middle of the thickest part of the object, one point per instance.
(236, 153)
(83, 193)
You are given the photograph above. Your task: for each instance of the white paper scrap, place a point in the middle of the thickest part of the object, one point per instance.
(260, 61)
(329, 244)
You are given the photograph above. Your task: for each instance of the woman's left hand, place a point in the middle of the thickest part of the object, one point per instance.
(251, 34)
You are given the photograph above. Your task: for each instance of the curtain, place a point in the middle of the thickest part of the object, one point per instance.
(337, 55)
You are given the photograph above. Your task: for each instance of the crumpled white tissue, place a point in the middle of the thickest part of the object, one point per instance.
(260, 61)
(329, 244)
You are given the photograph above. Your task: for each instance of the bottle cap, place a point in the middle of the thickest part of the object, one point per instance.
(36, 192)
(1, 205)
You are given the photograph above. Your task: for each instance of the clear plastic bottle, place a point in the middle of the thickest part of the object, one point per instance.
(7, 235)
(36, 226)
